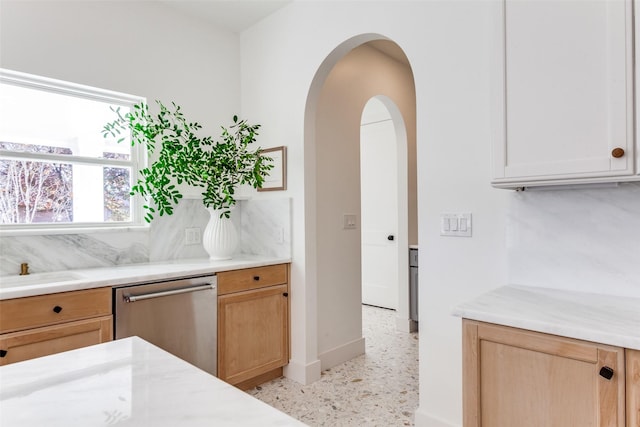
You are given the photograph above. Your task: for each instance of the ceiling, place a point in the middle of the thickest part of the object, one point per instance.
(238, 15)
(234, 15)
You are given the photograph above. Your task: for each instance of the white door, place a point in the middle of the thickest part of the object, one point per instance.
(379, 207)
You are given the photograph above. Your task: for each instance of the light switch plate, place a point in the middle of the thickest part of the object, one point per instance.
(349, 222)
(455, 224)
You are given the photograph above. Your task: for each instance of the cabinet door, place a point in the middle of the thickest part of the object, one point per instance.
(253, 333)
(521, 378)
(32, 343)
(564, 91)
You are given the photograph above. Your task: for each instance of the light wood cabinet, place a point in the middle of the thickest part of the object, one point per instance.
(48, 340)
(46, 324)
(563, 89)
(514, 377)
(633, 387)
(253, 324)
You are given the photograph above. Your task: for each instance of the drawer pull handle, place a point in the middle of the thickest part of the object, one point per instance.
(57, 309)
(256, 278)
(285, 294)
(606, 372)
(3, 353)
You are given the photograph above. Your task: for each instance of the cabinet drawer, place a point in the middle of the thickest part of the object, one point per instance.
(32, 312)
(24, 345)
(252, 278)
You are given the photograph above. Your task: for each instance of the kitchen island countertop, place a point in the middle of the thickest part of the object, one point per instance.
(605, 319)
(127, 382)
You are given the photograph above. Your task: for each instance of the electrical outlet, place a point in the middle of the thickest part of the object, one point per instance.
(192, 236)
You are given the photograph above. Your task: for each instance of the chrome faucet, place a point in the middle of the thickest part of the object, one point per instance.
(24, 269)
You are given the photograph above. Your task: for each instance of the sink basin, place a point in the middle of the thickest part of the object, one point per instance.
(37, 279)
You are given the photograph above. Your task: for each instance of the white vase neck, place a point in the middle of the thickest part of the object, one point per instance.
(218, 211)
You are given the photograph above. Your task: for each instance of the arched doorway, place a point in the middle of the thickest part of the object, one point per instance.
(360, 68)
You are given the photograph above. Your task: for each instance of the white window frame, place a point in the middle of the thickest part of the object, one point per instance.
(138, 156)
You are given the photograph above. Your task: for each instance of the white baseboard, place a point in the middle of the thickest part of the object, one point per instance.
(341, 354)
(303, 373)
(406, 325)
(422, 419)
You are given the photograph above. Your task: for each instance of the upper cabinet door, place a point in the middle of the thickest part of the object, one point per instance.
(564, 92)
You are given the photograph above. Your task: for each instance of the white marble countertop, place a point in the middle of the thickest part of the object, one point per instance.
(604, 319)
(72, 280)
(127, 382)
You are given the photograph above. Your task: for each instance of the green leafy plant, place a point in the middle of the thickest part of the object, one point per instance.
(218, 167)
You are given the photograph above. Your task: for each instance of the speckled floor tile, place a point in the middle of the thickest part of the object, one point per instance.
(379, 388)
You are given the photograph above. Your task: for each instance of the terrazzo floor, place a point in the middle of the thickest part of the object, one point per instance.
(379, 388)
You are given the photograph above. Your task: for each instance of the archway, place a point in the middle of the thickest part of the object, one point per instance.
(362, 67)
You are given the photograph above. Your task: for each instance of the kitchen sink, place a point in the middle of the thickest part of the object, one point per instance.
(37, 279)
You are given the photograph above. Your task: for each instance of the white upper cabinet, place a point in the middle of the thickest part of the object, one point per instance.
(563, 93)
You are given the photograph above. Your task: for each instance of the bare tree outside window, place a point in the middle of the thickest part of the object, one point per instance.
(117, 186)
(33, 191)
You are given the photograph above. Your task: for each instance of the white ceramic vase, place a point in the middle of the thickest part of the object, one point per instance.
(220, 238)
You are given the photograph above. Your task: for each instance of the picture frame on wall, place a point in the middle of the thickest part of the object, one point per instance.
(277, 179)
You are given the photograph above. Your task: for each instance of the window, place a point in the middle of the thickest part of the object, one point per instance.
(57, 170)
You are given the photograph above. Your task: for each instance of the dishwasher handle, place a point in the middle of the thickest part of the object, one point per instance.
(134, 298)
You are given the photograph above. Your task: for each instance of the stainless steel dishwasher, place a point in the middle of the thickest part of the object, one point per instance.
(179, 316)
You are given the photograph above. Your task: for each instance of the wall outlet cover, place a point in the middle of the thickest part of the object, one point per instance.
(192, 236)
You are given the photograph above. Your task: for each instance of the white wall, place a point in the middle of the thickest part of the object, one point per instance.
(447, 45)
(141, 48)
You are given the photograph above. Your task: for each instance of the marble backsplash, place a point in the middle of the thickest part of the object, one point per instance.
(579, 239)
(264, 228)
